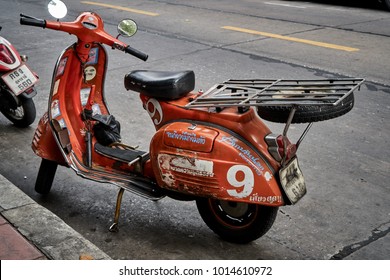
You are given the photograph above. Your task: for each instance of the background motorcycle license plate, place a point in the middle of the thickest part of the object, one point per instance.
(20, 79)
(292, 181)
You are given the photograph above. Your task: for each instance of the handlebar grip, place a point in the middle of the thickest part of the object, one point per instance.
(136, 53)
(32, 21)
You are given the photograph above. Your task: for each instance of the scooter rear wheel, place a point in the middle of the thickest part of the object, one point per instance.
(45, 177)
(236, 222)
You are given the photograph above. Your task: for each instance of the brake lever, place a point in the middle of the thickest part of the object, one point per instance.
(30, 17)
(118, 47)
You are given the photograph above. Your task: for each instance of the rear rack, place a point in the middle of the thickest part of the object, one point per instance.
(290, 93)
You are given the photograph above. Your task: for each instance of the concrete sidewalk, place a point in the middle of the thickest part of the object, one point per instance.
(29, 231)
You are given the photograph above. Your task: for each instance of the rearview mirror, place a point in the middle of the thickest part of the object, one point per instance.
(127, 27)
(57, 9)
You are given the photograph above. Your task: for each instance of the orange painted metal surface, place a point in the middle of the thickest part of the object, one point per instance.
(68, 98)
(202, 153)
(189, 137)
(44, 144)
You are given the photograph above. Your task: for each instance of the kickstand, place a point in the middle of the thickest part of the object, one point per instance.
(114, 227)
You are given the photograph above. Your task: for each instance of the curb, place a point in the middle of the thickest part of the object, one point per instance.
(46, 231)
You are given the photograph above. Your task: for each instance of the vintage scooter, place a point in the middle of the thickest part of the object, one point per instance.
(211, 146)
(16, 86)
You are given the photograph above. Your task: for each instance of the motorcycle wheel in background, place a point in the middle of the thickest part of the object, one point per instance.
(22, 114)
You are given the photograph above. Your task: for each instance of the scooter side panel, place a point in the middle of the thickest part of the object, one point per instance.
(231, 170)
(246, 124)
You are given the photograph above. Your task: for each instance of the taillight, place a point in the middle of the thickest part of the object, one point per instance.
(5, 55)
(29, 91)
(280, 147)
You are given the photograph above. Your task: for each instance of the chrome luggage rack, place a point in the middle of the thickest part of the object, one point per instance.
(290, 93)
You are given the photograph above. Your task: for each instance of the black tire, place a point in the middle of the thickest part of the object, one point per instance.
(45, 177)
(22, 116)
(307, 114)
(236, 222)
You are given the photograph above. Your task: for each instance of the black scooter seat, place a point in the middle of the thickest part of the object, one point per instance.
(161, 84)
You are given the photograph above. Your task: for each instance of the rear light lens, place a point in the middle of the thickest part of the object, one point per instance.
(6, 55)
(29, 91)
(280, 147)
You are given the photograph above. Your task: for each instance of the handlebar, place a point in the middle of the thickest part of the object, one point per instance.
(28, 20)
(84, 33)
(136, 53)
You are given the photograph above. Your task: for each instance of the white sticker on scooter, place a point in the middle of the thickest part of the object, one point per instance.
(62, 123)
(241, 177)
(93, 56)
(267, 176)
(185, 165)
(55, 109)
(56, 86)
(84, 95)
(96, 109)
(90, 73)
(155, 111)
(191, 166)
(61, 67)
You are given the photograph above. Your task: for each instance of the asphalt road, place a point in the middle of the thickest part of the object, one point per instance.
(346, 213)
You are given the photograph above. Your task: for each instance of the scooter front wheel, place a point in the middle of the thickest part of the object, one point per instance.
(45, 177)
(236, 222)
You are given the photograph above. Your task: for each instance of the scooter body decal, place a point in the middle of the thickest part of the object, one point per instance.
(155, 111)
(185, 166)
(252, 159)
(55, 109)
(89, 73)
(61, 66)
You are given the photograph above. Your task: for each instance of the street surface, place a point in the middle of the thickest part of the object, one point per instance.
(346, 161)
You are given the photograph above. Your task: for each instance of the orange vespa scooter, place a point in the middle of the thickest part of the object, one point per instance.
(209, 147)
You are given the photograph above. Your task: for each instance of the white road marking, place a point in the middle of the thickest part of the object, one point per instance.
(285, 5)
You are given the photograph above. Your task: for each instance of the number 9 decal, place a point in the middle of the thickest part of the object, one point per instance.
(240, 176)
(155, 111)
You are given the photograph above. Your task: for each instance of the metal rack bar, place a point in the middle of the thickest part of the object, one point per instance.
(257, 92)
